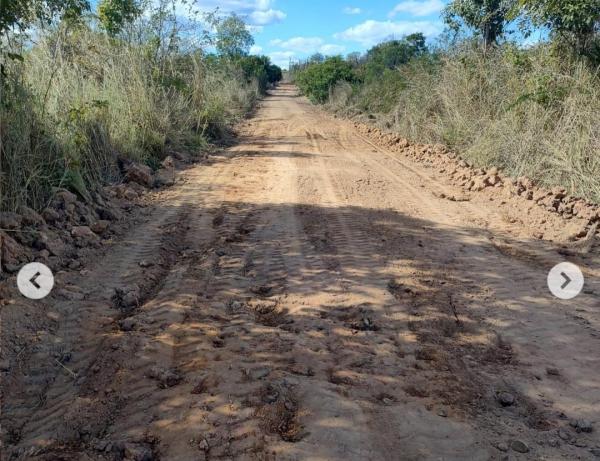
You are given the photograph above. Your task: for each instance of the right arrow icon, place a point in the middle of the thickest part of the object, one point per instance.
(567, 280)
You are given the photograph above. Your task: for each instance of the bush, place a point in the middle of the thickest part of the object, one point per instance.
(80, 100)
(523, 110)
(261, 69)
(319, 78)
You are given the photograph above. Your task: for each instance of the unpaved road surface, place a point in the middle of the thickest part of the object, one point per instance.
(308, 295)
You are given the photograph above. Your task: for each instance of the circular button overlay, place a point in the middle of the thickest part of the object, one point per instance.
(35, 280)
(565, 280)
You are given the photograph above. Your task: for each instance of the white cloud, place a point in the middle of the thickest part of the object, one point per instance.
(282, 58)
(372, 32)
(331, 49)
(352, 10)
(307, 45)
(255, 12)
(255, 49)
(265, 17)
(418, 8)
(301, 44)
(254, 29)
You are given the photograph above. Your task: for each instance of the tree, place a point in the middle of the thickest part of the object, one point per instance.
(316, 58)
(21, 13)
(487, 17)
(393, 53)
(576, 22)
(114, 14)
(354, 58)
(233, 38)
(318, 78)
(274, 73)
(261, 69)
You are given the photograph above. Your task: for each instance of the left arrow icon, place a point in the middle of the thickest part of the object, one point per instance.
(35, 280)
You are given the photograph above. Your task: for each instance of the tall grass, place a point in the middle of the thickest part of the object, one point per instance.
(522, 110)
(80, 101)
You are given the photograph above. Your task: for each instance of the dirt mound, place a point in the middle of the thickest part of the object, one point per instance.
(555, 201)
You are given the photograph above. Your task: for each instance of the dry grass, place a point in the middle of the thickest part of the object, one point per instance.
(523, 111)
(81, 100)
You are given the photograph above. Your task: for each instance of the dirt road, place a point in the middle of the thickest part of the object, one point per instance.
(310, 296)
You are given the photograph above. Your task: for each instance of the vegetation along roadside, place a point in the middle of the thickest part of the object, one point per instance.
(485, 91)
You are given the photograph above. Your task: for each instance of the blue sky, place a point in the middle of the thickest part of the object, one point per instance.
(285, 29)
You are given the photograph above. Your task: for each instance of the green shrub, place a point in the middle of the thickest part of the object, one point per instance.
(523, 110)
(319, 78)
(81, 99)
(259, 68)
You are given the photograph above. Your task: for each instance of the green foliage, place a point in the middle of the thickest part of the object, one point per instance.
(260, 69)
(392, 54)
(488, 18)
(66, 121)
(523, 110)
(573, 21)
(317, 79)
(233, 38)
(115, 14)
(20, 14)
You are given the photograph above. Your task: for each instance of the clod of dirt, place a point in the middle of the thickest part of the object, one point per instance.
(385, 398)
(416, 390)
(126, 298)
(270, 315)
(127, 324)
(140, 174)
(218, 218)
(341, 377)
(234, 306)
(302, 370)
(281, 415)
(262, 290)
(204, 384)
(564, 435)
(203, 445)
(12, 254)
(10, 221)
(84, 236)
(164, 177)
(50, 215)
(165, 377)
(506, 399)
(427, 353)
(502, 446)
(519, 446)
(109, 213)
(365, 324)
(4, 365)
(581, 425)
(135, 452)
(100, 227)
(218, 342)
(259, 373)
(551, 371)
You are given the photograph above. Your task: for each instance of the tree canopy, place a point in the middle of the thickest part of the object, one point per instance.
(488, 18)
(575, 21)
(233, 37)
(114, 14)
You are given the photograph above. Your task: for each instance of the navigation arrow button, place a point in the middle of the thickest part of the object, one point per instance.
(35, 280)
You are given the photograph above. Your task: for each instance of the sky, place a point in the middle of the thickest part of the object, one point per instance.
(292, 29)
